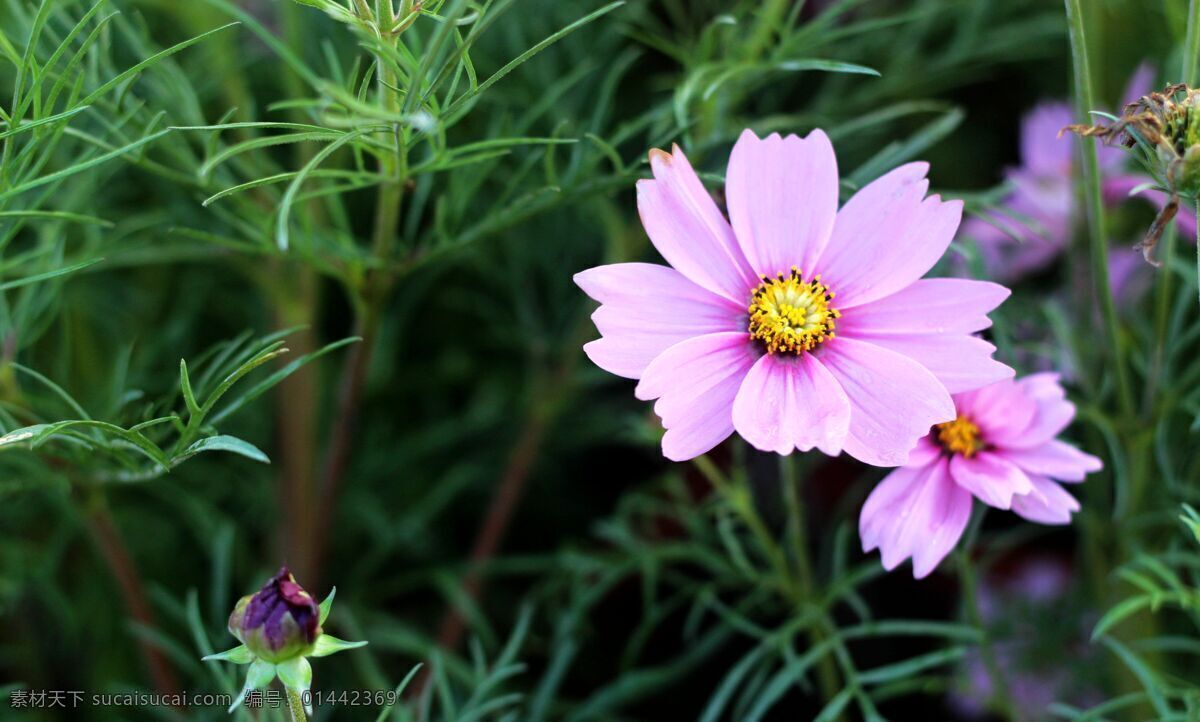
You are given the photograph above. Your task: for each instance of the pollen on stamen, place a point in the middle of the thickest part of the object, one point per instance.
(789, 315)
(960, 436)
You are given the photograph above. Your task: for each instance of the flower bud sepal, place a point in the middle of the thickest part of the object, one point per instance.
(278, 637)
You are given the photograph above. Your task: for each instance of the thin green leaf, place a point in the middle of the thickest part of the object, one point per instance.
(231, 444)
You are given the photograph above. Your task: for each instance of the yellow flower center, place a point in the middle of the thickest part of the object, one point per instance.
(960, 436)
(790, 315)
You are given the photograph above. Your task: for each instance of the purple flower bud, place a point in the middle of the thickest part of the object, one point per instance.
(278, 622)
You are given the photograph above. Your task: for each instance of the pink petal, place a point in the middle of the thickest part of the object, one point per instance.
(783, 196)
(1118, 187)
(915, 512)
(1128, 277)
(1113, 157)
(924, 453)
(1044, 385)
(949, 513)
(894, 400)
(689, 231)
(1185, 219)
(930, 305)
(988, 227)
(992, 479)
(787, 404)
(647, 309)
(1051, 419)
(1043, 148)
(881, 512)
(1043, 203)
(1054, 412)
(1056, 459)
(1139, 84)
(1036, 223)
(886, 237)
(960, 362)
(1003, 411)
(695, 382)
(1049, 504)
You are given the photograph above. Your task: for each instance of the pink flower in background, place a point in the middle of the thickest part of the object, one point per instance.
(1001, 448)
(1028, 605)
(1129, 276)
(1038, 217)
(1117, 188)
(798, 325)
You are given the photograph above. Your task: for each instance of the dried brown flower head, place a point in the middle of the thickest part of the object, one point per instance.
(1166, 128)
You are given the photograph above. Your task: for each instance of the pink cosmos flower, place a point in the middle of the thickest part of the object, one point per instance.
(798, 325)
(1040, 213)
(1001, 448)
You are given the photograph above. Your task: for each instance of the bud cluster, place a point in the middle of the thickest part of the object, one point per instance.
(389, 21)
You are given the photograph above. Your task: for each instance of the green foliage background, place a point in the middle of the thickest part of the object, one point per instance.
(182, 199)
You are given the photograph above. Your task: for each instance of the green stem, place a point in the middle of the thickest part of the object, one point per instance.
(1191, 49)
(1162, 312)
(296, 706)
(850, 671)
(1097, 231)
(799, 588)
(369, 293)
(970, 587)
(1191, 44)
(797, 532)
(796, 525)
(737, 493)
(769, 24)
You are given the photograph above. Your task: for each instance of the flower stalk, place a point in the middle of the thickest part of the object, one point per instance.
(796, 586)
(797, 531)
(371, 294)
(1191, 45)
(296, 706)
(969, 583)
(1097, 231)
(1191, 53)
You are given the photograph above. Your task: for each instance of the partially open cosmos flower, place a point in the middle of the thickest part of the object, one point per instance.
(279, 626)
(1000, 448)
(796, 324)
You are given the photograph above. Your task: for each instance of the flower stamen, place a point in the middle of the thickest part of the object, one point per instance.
(960, 436)
(789, 315)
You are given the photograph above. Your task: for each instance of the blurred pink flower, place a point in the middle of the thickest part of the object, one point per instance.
(740, 333)
(1037, 218)
(1038, 215)
(1001, 449)
(1129, 276)
(1029, 605)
